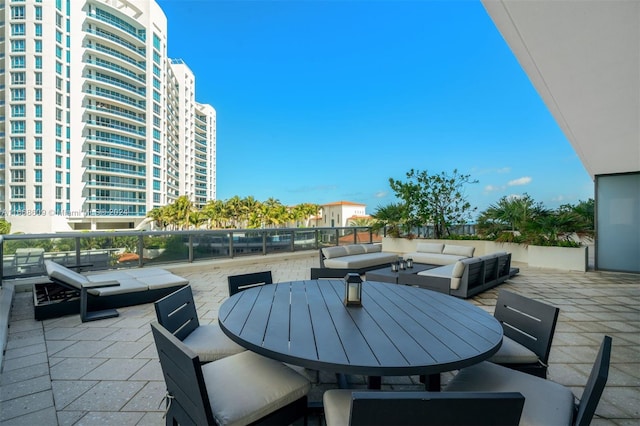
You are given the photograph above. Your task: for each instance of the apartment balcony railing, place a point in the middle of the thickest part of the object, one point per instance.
(86, 251)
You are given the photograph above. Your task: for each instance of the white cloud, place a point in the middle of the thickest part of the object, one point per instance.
(521, 181)
(491, 188)
(380, 194)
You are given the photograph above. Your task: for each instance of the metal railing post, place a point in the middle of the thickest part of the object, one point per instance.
(140, 250)
(2, 259)
(264, 242)
(77, 243)
(231, 244)
(190, 248)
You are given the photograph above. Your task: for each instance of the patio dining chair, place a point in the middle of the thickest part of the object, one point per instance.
(546, 402)
(241, 389)
(177, 313)
(241, 282)
(347, 407)
(528, 326)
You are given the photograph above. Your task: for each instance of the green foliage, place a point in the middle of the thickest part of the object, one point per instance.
(5, 227)
(391, 217)
(437, 199)
(522, 220)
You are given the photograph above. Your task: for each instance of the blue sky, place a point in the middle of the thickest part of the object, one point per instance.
(321, 101)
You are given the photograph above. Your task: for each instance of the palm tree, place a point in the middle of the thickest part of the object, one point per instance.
(5, 227)
(390, 217)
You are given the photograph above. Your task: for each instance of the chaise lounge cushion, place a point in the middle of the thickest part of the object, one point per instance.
(356, 256)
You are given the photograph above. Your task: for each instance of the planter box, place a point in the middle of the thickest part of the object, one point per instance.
(565, 258)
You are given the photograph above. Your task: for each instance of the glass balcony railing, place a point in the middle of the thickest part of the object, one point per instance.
(23, 255)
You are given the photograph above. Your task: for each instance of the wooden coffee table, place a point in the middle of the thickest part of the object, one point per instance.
(386, 275)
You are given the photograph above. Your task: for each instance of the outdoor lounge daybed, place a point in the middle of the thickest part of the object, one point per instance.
(97, 296)
(356, 257)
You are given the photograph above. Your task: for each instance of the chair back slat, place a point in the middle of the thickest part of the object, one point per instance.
(237, 283)
(436, 408)
(504, 265)
(529, 322)
(595, 384)
(189, 401)
(177, 312)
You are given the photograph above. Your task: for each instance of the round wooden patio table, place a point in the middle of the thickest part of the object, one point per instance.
(398, 331)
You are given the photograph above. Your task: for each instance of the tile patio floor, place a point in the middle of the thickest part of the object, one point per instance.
(64, 372)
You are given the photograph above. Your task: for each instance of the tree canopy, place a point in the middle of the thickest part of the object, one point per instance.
(435, 199)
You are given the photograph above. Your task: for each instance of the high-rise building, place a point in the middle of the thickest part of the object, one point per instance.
(97, 125)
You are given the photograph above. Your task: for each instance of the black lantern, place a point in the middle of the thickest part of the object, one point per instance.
(409, 263)
(352, 289)
(395, 266)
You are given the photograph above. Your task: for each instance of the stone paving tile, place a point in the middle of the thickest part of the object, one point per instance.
(25, 351)
(25, 361)
(116, 369)
(106, 396)
(591, 304)
(25, 405)
(67, 391)
(44, 417)
(24, 387)
(24, 373)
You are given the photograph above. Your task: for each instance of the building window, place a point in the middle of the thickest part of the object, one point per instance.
(38, 127)
(18, 126)
(17, 45)
(17, 143)
(17, 12)
(38, 108)
(17, 29)
(39, 30)
(38, 159)
(17, 175)
(38, 95)
(18, 110)
(58, 161)
(18, 95)
(38, 175)
(18, 208)
(37, 206)
(17, 191)
(18, 77)
(17, 61)
(38, 142)
(156, 185)
(58, 145)
(38, 61)
(38, 13)
(38, 76)
(59, 193)
(58, 177)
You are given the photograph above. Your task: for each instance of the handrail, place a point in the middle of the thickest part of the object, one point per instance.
(106, 249)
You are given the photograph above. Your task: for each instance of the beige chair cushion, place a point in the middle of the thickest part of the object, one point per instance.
(512, 352)
(126, 285)
(245, 387)
(163, 281)
(458, 250)
(546, 402)
(201, 341)
(331, 252)
(337, 406)
(429, 247)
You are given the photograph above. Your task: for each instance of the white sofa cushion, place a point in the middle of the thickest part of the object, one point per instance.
(358, 261)
(245, 387)
(65, 275)
(372, 248)
(355, 249)
(429, 247)
(545, 403)
(433, 258)
(331, 252)
(125, 285)
(458, 250)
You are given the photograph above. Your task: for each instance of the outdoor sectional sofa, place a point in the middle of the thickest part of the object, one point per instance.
(465, 277)
(97, 296)
(356, 257)
(439, 253)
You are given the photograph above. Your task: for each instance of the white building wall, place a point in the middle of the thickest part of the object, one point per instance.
(106, 145)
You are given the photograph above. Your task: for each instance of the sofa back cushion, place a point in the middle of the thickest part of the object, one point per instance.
(355, 249)
(372, 248)
(429, 247)
(331, 252)
(458, 250)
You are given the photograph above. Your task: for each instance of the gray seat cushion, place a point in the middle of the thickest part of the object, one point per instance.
(512, 352)
(201, 342)
(546, 402)
(245, 387)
